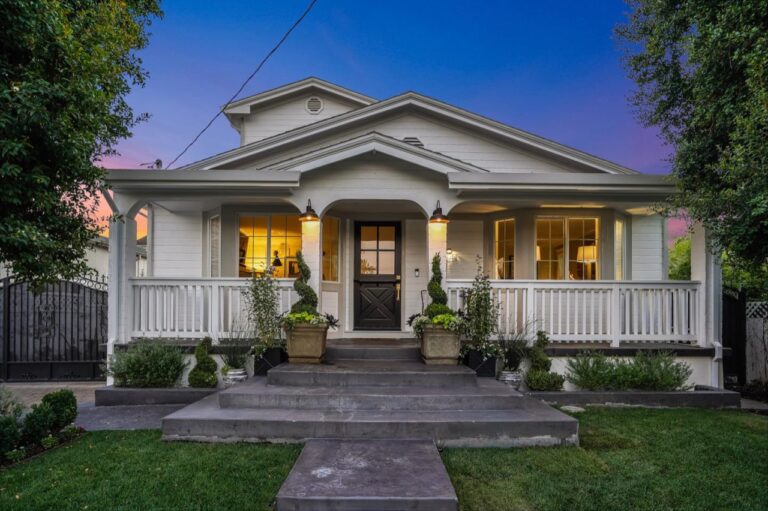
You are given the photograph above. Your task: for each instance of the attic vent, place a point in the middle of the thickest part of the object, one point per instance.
(413, 141)
(314, 105)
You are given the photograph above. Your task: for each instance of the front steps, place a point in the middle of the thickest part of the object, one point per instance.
(373, 391)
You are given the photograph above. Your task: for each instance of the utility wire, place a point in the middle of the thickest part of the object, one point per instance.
(258, 68)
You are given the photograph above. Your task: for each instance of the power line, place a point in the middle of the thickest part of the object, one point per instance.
(258, 68)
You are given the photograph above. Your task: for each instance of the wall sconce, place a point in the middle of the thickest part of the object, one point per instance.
(450, 255)
(416, 273)
(437, 216)
(309, 215)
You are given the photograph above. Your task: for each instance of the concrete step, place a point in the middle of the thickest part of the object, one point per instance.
(370, 373)
(381, 475)
(532, 423)
(486, 395)
(373, 351)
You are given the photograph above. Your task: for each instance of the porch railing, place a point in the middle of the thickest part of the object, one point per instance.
(594, 311)
(192, 308)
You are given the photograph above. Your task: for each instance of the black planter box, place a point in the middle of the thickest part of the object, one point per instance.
(484, 368)
(273, 357)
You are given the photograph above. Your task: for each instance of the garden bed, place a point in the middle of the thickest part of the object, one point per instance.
(700, 397)
(128, 396)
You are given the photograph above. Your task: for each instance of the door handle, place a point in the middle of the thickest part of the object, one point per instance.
(397, 292)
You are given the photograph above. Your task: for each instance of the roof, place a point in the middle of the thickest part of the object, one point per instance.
(423, 104)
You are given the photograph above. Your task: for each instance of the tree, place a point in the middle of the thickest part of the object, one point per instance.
(680, 259)
(66, 67)
(701, 67)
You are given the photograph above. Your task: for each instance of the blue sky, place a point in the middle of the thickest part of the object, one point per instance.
(552, 68)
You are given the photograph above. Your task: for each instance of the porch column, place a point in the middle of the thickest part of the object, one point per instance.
(122, 267)
(311, 248)
(437, 243)
(705, 268)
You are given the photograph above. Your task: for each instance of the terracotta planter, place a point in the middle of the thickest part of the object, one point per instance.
(439, 346)
(306, 343)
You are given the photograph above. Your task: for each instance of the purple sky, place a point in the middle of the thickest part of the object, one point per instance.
(551, 68)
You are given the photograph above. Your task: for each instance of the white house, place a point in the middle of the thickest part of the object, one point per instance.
(569, 239)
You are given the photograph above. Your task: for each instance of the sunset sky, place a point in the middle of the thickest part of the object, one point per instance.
(551, 68)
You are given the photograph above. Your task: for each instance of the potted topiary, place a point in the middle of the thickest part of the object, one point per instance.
(480, 352)
(306, 329)
(438, 328)
(234, 353)
(263, 299)
(539, 376)
(203, 375)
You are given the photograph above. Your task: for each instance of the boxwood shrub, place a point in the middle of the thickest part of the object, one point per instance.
(64, 407)
(148, 364)
(38, 424)
(653, 371)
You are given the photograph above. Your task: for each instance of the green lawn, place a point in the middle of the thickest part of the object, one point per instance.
(628, 459)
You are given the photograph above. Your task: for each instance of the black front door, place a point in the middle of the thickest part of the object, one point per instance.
(377, 275)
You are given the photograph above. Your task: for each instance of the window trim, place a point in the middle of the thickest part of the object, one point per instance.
(566, 245)
(338, 250)
(253, 214)
(496, 245)
(210, 247)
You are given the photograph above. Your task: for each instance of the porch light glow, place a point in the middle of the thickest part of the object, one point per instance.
(309, 215)
(437, 216)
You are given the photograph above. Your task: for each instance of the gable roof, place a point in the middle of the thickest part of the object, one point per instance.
(375, 143)
(420, 103)
(311, 84)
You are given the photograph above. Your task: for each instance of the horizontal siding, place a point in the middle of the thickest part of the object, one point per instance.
(177, 244)
(289, 115)
(439, 137)
(465, 238)
(647, 248)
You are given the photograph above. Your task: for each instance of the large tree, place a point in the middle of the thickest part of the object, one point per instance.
(66, 67)
(701, 67)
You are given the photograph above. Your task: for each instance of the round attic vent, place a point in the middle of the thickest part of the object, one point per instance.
(314, 105)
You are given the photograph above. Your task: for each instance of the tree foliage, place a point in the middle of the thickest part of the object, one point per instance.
(680, 259)
(66, 67)
(701, 67)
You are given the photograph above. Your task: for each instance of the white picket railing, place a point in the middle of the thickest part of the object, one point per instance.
(191, 308)
(594, 311)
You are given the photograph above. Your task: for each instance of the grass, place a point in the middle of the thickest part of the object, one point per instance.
(634, 459)
(629, 459)
(135, 470)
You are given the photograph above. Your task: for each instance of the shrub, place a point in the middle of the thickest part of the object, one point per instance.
(203, 375)
(234, 349)
(263, 299)
(64, 407)
(17, 454)
(69, 432)
(592, 371)
(307, 297)
(539, 359)
(9, 433)
(435, 285)
(49, 442)
(9, 405)
(436, 309)
(537, 379)
(38, 424)
(655, 371)
(148, 364)
(757, 389)
(482, 312)
(515, 350)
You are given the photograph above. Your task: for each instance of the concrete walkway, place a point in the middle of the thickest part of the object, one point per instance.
(30, 393)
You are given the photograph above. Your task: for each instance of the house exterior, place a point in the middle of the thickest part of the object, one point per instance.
(570, 241)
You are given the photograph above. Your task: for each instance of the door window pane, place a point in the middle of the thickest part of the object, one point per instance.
(386, 238)
(386, 263)
(505, 249)
(368, 264)
(368, 237)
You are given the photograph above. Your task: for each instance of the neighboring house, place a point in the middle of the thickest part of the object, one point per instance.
(570, 240)
(97, 256)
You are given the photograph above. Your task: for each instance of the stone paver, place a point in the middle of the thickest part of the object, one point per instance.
(30, 393)
(126, 418)
(755, 406)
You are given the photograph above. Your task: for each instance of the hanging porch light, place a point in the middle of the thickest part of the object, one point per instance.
(437, 216)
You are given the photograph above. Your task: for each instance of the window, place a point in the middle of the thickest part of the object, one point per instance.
(377, 250)
(269, 241)
(618, 250)
(578, 244)
(331, 249)
(505, 249)
(550, 248)
(214, 246)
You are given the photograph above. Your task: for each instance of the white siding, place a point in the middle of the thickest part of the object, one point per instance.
(178, 244)
(415, 249)
(436, 136)
(288, 115)
(648, 248)
(465, 239)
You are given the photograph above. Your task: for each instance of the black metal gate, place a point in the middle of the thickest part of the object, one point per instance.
(735, 336)
(59, 333)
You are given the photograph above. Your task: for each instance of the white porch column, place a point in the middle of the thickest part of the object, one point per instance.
(705, 267)
(311, 248)
(437, 243)
(122, 266)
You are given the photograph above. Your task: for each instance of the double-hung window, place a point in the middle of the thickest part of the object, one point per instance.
(567, 248)
(504, 249)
